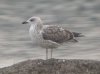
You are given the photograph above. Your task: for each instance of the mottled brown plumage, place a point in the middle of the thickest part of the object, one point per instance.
(57, 34)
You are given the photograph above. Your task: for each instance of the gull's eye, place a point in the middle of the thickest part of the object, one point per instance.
(32, 20)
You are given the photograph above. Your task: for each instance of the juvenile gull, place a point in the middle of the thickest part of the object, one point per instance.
(49, 36)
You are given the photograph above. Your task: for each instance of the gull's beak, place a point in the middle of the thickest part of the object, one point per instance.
(25, 22)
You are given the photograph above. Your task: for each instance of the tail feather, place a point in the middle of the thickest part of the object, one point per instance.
(77, 34)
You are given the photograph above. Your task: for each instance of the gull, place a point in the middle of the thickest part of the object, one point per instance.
(49, 36)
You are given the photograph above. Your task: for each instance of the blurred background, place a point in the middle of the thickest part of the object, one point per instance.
(76, 15)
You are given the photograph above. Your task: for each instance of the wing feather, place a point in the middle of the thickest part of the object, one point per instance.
(56, 34)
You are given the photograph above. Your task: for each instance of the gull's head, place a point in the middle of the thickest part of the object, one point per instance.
(33, 20)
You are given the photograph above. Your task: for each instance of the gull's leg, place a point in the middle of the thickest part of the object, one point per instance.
(46, 53)
(51, 52)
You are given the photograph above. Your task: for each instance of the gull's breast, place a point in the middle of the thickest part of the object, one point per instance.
(35, 35)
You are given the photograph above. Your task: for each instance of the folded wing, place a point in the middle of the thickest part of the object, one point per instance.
(57, 34)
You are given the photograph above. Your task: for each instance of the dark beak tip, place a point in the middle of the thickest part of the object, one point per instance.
(24, 22)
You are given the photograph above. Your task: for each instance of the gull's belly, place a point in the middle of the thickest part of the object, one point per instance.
(49, 44)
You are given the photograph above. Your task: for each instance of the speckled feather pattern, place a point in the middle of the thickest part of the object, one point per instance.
(56, 34)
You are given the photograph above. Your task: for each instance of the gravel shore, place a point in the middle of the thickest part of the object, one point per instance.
(53, 66)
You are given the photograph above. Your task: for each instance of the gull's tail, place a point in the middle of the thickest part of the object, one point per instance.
(77, 34)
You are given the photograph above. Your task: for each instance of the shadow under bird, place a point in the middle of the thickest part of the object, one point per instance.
(49, 36)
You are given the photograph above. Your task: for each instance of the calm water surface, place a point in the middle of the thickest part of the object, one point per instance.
(77, 15)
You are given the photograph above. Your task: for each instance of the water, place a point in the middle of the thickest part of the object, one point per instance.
(77, 15)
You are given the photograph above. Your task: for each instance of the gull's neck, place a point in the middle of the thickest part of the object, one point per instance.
(36, 26)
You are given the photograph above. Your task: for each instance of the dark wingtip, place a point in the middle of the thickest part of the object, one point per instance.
(78, 34)
(81, 35)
